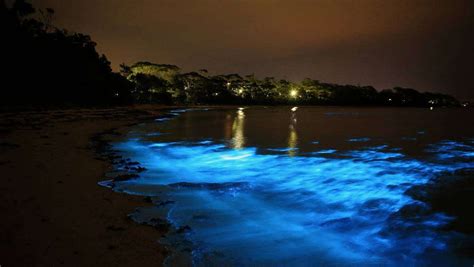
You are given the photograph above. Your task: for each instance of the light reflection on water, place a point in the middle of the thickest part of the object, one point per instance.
(285, 207)
(238, 138)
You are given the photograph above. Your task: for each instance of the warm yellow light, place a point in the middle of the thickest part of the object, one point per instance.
(241, 91)
(293, 93)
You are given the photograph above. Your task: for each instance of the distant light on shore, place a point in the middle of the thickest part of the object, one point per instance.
(294, 109)
(293, 93)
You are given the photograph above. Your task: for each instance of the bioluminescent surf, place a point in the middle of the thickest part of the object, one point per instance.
(298, 191)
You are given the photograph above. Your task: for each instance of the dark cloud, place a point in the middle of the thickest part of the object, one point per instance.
(425, 44)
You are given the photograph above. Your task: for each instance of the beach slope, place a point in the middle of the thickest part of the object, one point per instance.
(53, 211)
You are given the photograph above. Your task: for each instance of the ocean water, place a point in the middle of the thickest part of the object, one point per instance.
(322, 186)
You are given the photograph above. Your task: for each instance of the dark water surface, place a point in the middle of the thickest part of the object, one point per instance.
(319, 186)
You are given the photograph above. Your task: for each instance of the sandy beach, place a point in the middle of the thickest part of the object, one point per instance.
(53, 211)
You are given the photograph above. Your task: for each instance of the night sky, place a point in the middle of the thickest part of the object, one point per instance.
(427, 45)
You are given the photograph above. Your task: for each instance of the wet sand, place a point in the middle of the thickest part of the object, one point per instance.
(53, 211)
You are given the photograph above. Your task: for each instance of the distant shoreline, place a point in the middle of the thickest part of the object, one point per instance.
(14, 109)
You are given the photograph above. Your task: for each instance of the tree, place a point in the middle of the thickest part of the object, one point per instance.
(50, 66)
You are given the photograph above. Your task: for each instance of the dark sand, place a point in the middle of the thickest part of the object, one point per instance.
(53, 212)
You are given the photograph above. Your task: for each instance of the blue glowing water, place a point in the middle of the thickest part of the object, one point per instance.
(269, 188)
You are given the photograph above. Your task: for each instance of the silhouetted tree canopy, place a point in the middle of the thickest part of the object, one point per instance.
(161, 83)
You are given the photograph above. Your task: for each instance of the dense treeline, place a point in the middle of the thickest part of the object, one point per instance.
(161, 83)
(45, 65)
